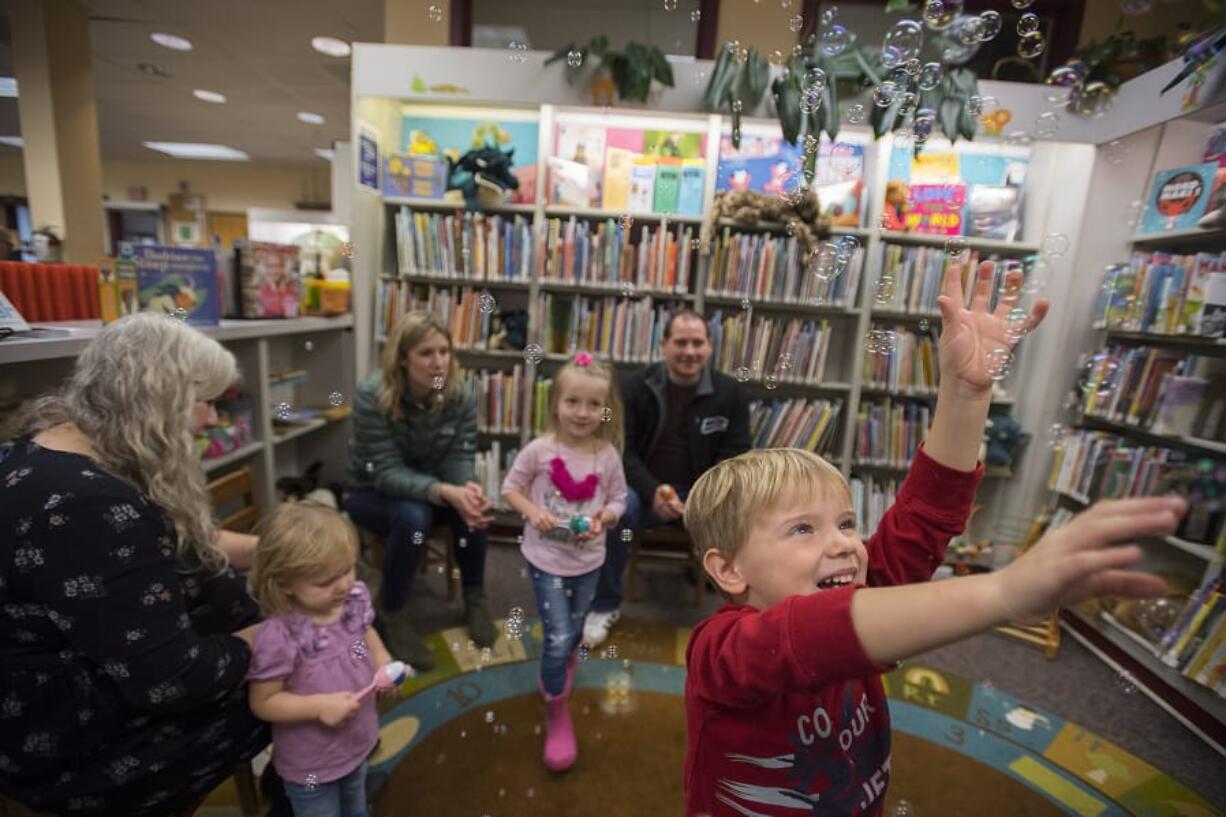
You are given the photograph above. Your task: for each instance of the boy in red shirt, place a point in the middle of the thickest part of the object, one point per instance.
(785, 710)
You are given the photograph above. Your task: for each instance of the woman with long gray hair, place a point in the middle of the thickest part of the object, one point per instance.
(124, 631)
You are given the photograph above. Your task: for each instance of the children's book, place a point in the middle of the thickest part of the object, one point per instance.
(1177, 198)
(642, 185)
(179, 281)
(1213, 312)
(269, 282)
(936, 208)
(994, 211)
(617, 178)
(117, 295)
(693, 179)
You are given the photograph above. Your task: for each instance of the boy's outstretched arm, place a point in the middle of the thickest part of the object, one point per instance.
(1068, 565)
(971, 340)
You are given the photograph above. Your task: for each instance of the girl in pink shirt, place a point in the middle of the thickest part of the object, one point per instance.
(313, 658)
(570, 487)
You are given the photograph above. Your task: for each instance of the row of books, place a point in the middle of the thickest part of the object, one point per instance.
(910, 278)
(460, 308)
(871, 498)
(579, 251)
(491, 467)
(794, 423)
(1161, 390)
(1093, 465)
(1165, 294)
(1196, 645)
(500, 398)
(624, 329)
(475, 246)
(761, 266)
(900, 359)
(889, 432)
(791, 350)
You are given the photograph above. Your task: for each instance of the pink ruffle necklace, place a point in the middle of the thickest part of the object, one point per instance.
(572, 490)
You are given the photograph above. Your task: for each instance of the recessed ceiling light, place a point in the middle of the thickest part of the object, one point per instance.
(153, 69)
(190, 150)
(325, 153)
(208, 96)
(12, 141)
(171, 41)
(8, 86)
(310, 118)
(331, 46)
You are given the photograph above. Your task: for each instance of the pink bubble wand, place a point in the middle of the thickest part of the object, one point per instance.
(389, 675)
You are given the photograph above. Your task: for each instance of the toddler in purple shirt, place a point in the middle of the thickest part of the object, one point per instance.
(313, 656)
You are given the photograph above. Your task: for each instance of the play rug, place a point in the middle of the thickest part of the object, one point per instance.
(466, 740)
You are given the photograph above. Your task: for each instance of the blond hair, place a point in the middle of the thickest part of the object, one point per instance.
(298, 540)
(133, 393)
(725, 500)
(413, 328)
(611, 431)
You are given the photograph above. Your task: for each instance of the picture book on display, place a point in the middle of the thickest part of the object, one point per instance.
(269, 281)
(170, 279)
(117, 294)
(1178, 197)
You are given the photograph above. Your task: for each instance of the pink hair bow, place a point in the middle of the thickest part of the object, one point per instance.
(583, 359)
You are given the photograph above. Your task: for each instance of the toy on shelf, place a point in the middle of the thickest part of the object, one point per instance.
(483, 175)
(389, 675)
(580, 524)
(750, 207)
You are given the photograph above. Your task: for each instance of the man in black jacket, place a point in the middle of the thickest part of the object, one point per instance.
(681, 418)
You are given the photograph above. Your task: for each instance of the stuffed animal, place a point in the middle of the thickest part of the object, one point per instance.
(1004, 439)
(749, 207)
(488, 168)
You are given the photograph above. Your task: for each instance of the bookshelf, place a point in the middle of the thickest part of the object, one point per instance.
(324, 347)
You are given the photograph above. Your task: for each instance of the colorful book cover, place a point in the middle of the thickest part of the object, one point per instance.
(617, 178)
(673, 144)
(668, 185)
(840, 182)
(170, 279)
(642, 185)
(935, 208)
(117, 295)
(994, 211)
(1215, 148)
(693, 180)
(1178, 197)
(584, 145)
(269, 283)
(1213, 312)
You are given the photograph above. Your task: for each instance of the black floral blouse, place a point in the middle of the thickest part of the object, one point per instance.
(121, 690)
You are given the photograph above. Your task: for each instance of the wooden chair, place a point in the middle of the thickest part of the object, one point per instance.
(438, 552)
(666, 544)
(234, 502)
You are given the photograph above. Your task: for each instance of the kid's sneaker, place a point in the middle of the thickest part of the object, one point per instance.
(596, 627)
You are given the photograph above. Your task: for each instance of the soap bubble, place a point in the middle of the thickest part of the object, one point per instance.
(695, 16)
(885, 288)
(998, 363)
(810, 100)
(1017, 324)
(1054, 245)
(902, 42)
(574, 58)
(938, 14)
(1056, 433)
(435, 14)
(606, 415)
(974, 105)
(742, 54)
(627, 289)
(1019, 138)
(733, 46)
(885, 94)
(311, 782)
(179, 314)
(846, 246)
(924, 325)
(517, 52)
(771, 382)
(829, 14)
(438, 382)
(880, 341)
(627, 535)
(1135, 7)
(776, 57)
(956, 246)
(610, 652)
(855, 114)
(1115, 152)
(670, 5)
(1028, 23)
(308, 345)
(282, 412)
(907, 103)
(1126, 682)
(346, 249)
(1031, 45)
(533, 353)
(903, 809)
(626, 221)
(1021, 4)
(1046, 124)
(742, 374)
(911, 67)
(796, 22)
(930, 76)
(336, 399)
(990, 24)
(736, 106)
(1099, 374)
(486, 303)
(370, 467)
(835, 40)
(815, 78)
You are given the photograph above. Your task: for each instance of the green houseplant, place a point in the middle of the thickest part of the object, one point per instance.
(631, 70)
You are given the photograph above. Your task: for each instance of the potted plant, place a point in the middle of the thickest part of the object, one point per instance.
(633, 73)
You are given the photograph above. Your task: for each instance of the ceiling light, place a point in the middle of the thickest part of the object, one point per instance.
(171, 41)
(325, 153)
(12, 141)
(190, 150)
(153, 69)
(8, 86)
(331, 46)
(310, 118)
(209, 96)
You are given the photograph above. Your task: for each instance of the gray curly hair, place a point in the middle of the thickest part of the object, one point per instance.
(133, 393)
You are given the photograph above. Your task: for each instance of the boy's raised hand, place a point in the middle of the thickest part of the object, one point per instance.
(971, 336)
(1077, 561)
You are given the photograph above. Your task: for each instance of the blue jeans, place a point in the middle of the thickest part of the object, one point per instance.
(563, 602)
(638, 517)
(345, 797)
(397, 521)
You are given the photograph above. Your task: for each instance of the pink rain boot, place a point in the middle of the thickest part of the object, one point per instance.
(560, 748)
